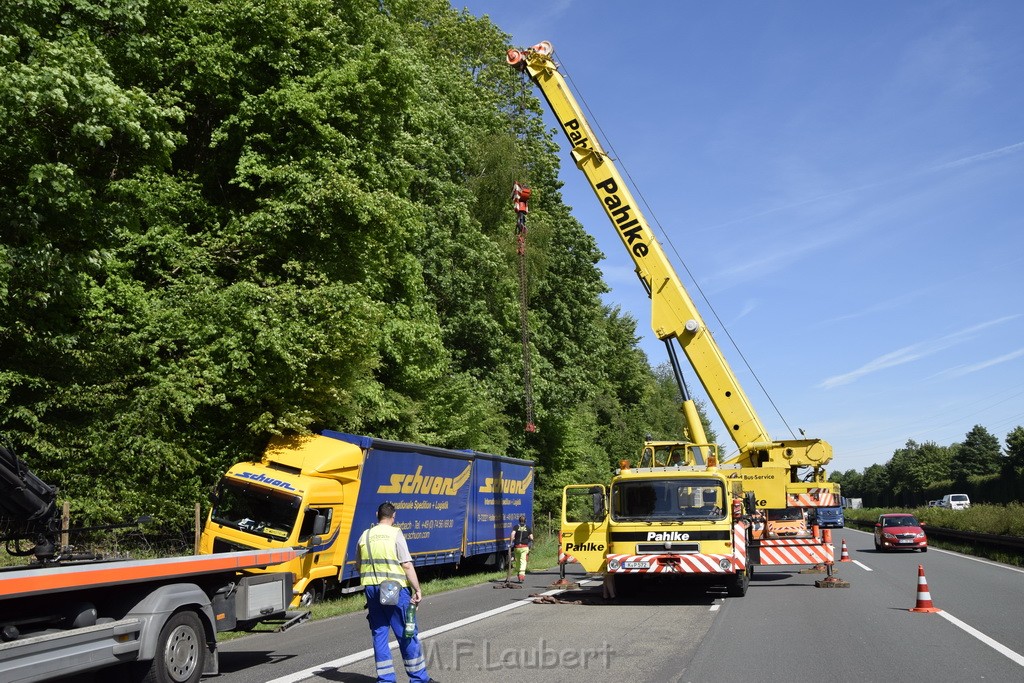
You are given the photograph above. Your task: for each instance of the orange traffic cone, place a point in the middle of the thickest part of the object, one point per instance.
(924, 598)
(845, 557)
(562, 558)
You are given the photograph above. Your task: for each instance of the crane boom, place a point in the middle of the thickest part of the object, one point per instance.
(673, 313)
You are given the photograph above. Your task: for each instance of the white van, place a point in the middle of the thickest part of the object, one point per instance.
(955, 501)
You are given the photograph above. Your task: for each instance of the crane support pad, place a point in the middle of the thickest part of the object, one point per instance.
(96, 575)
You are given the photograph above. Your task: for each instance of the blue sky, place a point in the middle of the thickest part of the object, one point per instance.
(843, 181)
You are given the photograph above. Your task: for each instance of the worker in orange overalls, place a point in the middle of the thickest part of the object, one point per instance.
(521, 540)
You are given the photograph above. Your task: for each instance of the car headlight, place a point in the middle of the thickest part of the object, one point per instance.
(920, 535)
(889, 536)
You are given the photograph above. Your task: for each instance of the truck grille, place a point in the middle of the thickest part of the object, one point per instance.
(667, 548)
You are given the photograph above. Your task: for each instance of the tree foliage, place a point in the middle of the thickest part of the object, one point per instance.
(979, 454)
(224, 220)
(915, 467)
(1015, 448)
(919, 472)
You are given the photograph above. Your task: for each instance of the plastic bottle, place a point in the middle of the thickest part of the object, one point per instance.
(410, 621)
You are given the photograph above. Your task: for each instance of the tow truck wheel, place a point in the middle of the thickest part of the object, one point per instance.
(313, 594)
(180, 651)
(740, 582)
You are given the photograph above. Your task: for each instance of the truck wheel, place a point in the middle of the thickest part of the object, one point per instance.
(313, 594)
(625, 585)
(738, 586)
(180, 651)
(500, 561)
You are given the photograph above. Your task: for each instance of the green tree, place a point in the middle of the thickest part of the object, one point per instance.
(1014, 450)
(916, 466)
(876, 488)
(227, 220)
(851, 483)
(979, 454)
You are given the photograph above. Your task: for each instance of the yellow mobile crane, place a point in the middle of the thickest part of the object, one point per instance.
(766, 472)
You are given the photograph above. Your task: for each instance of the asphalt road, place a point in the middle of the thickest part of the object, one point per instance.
(785, 629)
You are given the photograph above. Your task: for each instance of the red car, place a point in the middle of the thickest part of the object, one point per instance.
(898, 531)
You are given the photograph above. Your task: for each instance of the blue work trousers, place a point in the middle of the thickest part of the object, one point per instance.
(385, 617)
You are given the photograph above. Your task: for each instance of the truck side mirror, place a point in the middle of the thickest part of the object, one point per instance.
(319, 525)
(314, 541)
(598, 504)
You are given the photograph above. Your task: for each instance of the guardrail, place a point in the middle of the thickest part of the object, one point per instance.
(1015, 543)
(994, 541)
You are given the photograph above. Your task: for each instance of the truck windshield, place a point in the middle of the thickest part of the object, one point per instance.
(785, 515)
(255, 509)
(667, 499)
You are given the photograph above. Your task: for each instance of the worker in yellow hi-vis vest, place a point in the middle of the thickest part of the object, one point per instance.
(384, 555)
(521, 541)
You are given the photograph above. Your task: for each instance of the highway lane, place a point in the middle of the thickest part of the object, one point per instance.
(785, 629)
(541, 642)
(984, 594)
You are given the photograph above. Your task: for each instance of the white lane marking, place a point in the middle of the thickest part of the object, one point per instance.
(365, 654)
(980, 560)
(994, 644)
(714, 607)
(863, 566)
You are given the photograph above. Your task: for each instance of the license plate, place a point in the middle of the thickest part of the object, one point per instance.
(903, 540)
(636, 565)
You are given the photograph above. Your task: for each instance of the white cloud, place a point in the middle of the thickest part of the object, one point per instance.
(908, 354)
(974, 158)
(748, 307)
(962, 370)
(892, 304)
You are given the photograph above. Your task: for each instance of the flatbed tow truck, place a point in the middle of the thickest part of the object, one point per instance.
(142, 620)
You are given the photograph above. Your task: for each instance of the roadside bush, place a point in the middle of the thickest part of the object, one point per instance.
(1002, 520)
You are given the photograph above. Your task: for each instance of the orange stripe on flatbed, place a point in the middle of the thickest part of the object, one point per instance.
(100, 574)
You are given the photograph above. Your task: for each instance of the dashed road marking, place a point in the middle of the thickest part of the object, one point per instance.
(335, 664)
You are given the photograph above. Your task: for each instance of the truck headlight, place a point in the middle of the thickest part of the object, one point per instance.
(613, 565)
(724, 563)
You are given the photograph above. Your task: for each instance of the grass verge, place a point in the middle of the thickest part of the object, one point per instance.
(432, 581)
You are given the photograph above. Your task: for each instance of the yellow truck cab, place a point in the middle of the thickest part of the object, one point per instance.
(673, 522)
(321, 491)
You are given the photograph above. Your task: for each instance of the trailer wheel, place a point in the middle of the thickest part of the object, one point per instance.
(180, 651)
(738, 586)
(313, 594)
(500, 561)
